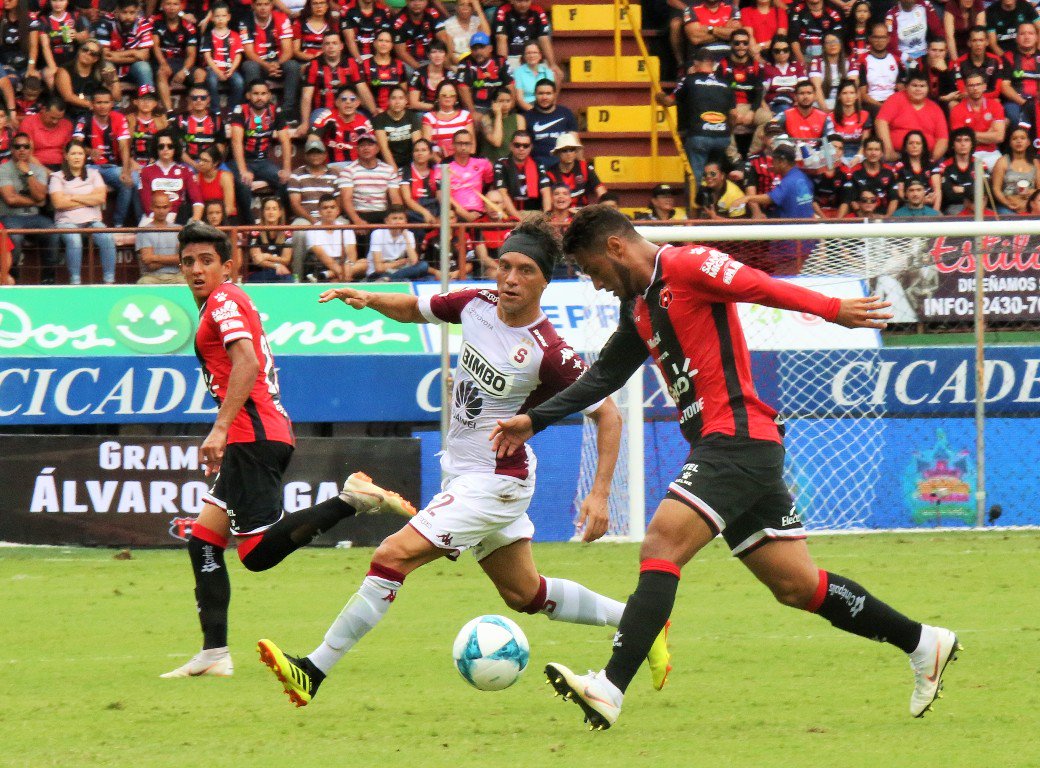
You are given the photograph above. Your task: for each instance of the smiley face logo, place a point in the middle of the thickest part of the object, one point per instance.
(150, 324)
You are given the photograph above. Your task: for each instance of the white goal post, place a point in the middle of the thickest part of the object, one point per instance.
(833, 454)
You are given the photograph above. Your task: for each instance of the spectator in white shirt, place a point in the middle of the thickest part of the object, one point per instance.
(332, 253)
(391, 253)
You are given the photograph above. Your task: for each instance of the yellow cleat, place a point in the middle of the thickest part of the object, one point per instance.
(659, 659)
(299, 685)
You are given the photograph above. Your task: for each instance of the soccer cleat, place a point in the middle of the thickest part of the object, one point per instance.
(929, 667)
(658, 659)
(365, 496)
(598, 697)
(299, 684)
(202, 664)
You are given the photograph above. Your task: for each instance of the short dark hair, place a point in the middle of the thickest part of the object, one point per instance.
(873, 140)
(396, 209)
(123, 4)
(523, 132)
(976, 29)
(545, 81)
(803, 84)
(591, 228)
(916, 75)
(54, 101)
(326, 197)
(101, 91)
(201, 232)
(254, 83)
(538, 227)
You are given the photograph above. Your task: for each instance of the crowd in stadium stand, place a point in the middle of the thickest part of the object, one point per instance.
(145, 113)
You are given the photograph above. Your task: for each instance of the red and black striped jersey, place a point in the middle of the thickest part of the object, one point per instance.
(228, 317)
(760, 174)
(687, 320)
(200, 132)
(328, 78)
(142, 139)
(174, 42)
(521, 28)
(258, 129)
(382, 77)
(366, 25)
(105, 138)
(417, 35)
(266, 39)
(125, 37)
(222, 47)
(60, 32)
(484, 79)
(310, 37)
(420, 81)
(340, 136)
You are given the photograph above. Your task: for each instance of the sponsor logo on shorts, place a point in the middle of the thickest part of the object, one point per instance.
(791, 518)
(855, 602)
(445, 539)
(487, 376)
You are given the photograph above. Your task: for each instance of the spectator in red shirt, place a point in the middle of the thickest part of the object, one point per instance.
(221, 49)
(764, 20)
(325, 76)
(1021, 84)
(165, 174)
(984, 116)
(911, 109)
(50, 131)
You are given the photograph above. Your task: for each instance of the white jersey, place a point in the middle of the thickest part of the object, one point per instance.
(502, 371)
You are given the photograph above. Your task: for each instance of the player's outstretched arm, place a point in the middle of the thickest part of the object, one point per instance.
(509, 435)
(594, 516)
(864, 312)
(402, 307)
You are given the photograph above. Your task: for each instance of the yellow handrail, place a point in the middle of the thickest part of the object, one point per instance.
(624, 8)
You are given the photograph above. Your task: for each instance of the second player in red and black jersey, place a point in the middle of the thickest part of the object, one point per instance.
(360, 21)
(679, 306)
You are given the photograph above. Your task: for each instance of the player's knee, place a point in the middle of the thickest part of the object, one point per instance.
(794, 593)
(517, 600)
(390, 554)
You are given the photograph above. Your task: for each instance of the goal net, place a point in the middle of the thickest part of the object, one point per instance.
(835, 423)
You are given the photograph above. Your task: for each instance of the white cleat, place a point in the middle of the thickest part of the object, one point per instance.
(205, 664)
(598, 697)
(366, 497)
(937, 649)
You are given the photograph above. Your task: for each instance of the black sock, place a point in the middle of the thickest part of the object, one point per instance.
(645, 615)
(295, 531)
(849, 607)
(212, 591)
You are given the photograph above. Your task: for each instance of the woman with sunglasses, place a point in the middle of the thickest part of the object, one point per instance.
(78, 194)
(77, 81)
(780, 75)
(175, 178)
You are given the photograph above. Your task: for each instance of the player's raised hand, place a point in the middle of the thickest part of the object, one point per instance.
(864, 312)
(509, 435)
(594, 517)
(349, 296)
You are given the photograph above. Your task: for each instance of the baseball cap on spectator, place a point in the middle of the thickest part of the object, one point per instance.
(314, 144)
(773, 129)
(784, 152)
(479, 38)
(146, 90)
(566, 140)
(662, 189)
(915, 183)
(365, 135)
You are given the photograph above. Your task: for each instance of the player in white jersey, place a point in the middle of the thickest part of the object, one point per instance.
(511, 360)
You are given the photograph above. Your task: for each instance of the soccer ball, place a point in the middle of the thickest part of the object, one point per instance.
(491, 652)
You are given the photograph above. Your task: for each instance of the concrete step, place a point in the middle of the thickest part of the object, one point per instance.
(626, 143)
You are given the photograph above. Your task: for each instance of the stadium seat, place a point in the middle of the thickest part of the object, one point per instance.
(622, 119)
(583, 18)
(619, 169)
(680, 213)
(605, 69)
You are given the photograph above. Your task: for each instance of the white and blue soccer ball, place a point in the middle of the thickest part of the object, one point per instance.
(491, 652)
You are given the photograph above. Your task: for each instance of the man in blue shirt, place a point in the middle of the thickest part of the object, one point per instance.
(547, 121)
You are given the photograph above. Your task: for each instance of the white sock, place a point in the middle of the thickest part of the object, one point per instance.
(926, 645)
(571, 602)
(362, 612)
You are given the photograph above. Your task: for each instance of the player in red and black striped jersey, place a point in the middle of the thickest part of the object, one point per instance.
(339, 133)
(418, 25)
(60, 31)
(360, 20)
(255, 125)
(249, 448)
(221, 51)
(679, 308)
(326, 75)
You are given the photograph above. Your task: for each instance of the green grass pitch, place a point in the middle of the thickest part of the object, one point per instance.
(83, 638)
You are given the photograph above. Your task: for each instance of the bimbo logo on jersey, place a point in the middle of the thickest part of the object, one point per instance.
(489, 378)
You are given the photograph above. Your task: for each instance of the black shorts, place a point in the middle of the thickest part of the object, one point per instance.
(737, 486)
(249, 485)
